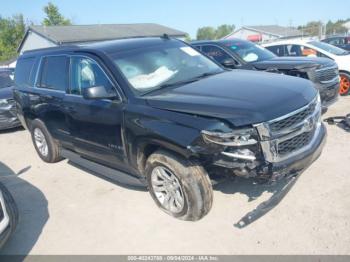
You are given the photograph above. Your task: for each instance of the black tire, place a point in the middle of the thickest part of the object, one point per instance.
(53, 153)
(194, 182)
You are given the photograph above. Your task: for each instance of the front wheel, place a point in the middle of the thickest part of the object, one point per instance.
(344, 83)
(179, 186)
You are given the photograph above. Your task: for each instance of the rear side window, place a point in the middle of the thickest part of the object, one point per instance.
(277, 50)
(54, 73)
(23, 71)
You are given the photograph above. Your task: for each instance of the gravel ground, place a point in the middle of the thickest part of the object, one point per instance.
(65, 210)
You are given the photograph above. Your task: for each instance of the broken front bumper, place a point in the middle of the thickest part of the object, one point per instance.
(300, 162)
(265, 170)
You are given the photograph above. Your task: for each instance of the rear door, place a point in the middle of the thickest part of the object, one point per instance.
(95, 125)
(48, 95)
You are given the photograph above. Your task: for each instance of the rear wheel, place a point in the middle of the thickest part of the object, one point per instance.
(46, 147)
(344, 84)
(179, 187)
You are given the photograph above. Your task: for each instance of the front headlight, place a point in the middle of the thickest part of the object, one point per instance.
(3, 102)
(240, 137)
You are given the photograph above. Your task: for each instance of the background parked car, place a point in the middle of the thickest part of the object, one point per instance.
(8, 215)
(339, 41)
(238, 53)
(316, 48)
(8, 117)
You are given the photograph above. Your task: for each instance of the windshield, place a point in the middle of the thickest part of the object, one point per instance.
(249, 51)
(329, 48)
(6, 79)
(169, 63)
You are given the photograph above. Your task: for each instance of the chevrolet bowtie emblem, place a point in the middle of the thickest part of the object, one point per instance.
(308, 124)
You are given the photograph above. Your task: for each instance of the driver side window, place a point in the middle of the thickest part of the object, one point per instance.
(86, 73)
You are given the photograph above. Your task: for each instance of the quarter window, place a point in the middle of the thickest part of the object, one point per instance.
(54, 73)
(23, 71)
(86, 73)
(278, 50)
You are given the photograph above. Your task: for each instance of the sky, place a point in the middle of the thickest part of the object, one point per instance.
(184, 15)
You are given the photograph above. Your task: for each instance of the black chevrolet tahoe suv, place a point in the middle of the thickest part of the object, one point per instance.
(242, 54)
(155, 112)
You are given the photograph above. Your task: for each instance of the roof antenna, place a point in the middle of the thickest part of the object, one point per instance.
(165, 36)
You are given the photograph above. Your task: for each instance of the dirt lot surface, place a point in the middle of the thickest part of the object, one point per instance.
(65, 210)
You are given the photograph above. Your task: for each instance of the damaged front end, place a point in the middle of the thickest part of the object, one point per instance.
(267, 151)
(231, 152)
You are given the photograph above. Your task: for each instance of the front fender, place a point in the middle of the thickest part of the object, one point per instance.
(156, 128)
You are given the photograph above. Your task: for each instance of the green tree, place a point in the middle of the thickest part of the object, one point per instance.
(312, 28)
(11, 33)
(337, 27)
(188, 38)
(224, 30)
(53, 16)
(206, 33)
(210, 33)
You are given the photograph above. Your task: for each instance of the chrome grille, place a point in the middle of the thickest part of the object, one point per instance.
(292, 120)
(291, 134)
(326, 74)
(294, 143)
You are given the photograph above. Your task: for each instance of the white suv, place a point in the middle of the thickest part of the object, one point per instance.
(315, 48)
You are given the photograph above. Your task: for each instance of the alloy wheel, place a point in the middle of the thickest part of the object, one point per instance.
(344, 85)
(167, 189)
(40, 142)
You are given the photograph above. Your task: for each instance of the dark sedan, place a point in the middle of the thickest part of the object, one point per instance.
(339, 41)
(8, 118)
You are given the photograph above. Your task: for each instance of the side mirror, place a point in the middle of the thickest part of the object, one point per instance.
(229, 62)
(98, 92)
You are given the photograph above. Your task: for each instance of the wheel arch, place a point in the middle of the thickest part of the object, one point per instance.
(146, 147)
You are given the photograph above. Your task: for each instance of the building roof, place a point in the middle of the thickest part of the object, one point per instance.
(100, 32)
(279, 31)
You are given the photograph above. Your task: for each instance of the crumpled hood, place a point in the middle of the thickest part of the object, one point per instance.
(6, 92)
(241, 97)
(293, 63)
